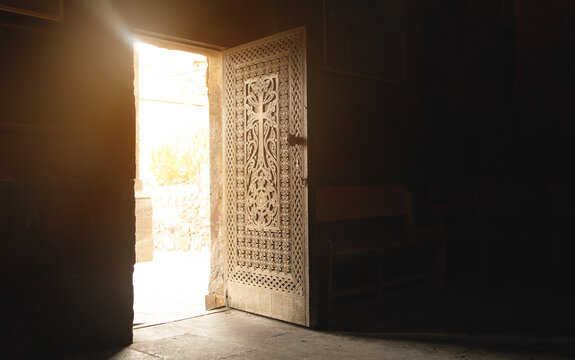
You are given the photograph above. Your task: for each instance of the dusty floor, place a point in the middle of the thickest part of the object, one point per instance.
(411, 324)
(233, 334)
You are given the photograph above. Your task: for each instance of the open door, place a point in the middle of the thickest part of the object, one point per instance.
(266, 167)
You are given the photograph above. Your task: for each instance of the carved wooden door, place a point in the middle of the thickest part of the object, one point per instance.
(265, 186)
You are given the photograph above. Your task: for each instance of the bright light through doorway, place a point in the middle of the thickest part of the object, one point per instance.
(172, 185)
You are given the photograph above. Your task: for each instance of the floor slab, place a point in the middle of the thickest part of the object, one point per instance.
(467, 327)
(233, 334)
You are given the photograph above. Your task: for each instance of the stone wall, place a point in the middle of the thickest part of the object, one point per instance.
(217, 259)
(144, 232)
(181, 217)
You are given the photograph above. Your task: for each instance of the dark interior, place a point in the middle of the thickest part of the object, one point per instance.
(466, 104)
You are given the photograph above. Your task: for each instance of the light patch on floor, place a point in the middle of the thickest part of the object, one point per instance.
(172, 287)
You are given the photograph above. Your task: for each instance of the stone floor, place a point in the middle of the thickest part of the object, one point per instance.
(232, 334)
(416, 323)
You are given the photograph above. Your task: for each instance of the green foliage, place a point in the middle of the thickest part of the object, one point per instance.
(181, 162)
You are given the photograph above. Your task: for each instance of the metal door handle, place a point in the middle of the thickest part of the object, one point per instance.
(295, 140)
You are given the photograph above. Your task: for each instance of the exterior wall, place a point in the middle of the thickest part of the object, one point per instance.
(144, 230)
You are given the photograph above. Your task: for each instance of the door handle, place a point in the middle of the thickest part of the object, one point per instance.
(295, 140)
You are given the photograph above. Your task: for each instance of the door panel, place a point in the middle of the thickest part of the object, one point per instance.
(266, 193)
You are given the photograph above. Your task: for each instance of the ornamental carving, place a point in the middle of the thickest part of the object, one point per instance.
(266, 201)
(262, 151)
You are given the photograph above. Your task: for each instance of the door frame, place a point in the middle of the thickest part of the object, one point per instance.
(218, 261)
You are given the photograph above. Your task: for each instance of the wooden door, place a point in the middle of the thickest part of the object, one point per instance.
(265, 186)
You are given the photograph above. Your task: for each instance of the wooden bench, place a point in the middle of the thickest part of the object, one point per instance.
(374, 225)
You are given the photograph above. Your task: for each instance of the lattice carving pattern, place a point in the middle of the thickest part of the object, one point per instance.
(264, 191)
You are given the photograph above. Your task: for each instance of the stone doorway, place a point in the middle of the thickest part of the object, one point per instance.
(176, 156)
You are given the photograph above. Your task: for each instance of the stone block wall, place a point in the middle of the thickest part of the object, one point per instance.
(144, 229)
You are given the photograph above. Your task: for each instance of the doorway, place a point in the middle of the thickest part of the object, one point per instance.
(258, 197)
(172, 188)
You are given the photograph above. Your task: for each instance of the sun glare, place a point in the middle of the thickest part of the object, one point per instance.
(173, 176)
(173, 101)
